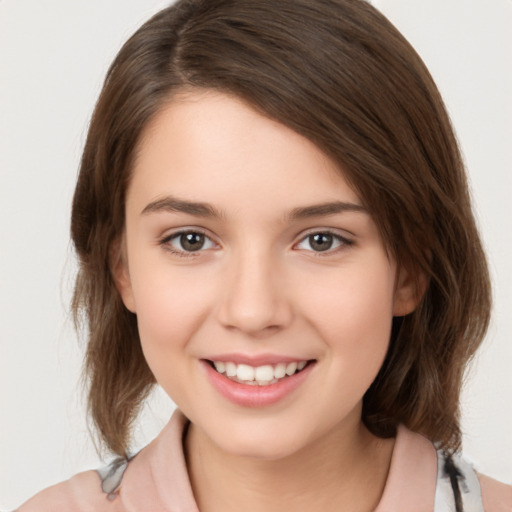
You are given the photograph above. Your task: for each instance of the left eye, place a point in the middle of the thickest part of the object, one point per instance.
(189, 241)
(321, 242)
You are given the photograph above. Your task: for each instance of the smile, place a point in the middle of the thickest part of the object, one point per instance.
(260, 375)
(260, 385)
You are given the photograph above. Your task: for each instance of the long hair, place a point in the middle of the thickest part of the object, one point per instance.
(339, 73)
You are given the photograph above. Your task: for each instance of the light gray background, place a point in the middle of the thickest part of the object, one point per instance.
(53, 56)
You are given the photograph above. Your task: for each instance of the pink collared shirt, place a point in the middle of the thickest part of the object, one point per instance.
(156, 480)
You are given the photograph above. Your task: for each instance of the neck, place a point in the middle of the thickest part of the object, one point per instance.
(346, 469)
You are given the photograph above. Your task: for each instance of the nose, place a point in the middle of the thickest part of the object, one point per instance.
(255, 296)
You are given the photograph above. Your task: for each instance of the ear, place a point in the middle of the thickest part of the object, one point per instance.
(121, 274)
(410, 288)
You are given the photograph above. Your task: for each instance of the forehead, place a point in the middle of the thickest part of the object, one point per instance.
(215, 147)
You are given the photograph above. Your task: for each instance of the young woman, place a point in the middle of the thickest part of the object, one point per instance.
(273, 224)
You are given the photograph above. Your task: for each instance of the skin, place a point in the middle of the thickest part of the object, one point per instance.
(257, 286)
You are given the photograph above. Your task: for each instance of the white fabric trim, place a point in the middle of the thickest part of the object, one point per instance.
(467, 480)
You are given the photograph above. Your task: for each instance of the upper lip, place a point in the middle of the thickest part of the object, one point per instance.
(256, 360)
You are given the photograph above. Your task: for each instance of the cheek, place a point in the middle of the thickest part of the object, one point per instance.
(165, 318)
(171, 306)
(353, 313)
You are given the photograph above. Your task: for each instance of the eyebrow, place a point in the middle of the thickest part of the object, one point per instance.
(330, 208)
(173, 204)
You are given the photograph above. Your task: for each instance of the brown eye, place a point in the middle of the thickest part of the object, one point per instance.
(321, 241)
(191, 241)
(187, 242)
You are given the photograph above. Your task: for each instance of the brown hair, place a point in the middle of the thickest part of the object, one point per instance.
(337, 72)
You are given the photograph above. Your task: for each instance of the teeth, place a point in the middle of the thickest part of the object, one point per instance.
(245, 372)
(258, 376)
(264, 373)
(220, 366)
(280, 371)
(291, 368)
(230, 369)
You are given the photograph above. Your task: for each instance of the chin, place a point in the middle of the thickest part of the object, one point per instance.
(262, 443)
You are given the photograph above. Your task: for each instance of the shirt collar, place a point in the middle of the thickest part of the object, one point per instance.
(159, 474)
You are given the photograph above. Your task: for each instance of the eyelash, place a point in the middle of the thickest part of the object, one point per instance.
(176, 236)
(343, 242)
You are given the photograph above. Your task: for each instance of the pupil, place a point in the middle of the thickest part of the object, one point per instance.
(320, 242)
(192, 241)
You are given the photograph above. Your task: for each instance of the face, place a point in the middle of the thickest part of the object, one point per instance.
(263, 291)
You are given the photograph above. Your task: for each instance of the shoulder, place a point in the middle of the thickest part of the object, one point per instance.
(457, 479)
(81, 493)
(496, 496)
(424, 477)
(155, 475)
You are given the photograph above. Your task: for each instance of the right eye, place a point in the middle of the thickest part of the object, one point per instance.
(185, 242)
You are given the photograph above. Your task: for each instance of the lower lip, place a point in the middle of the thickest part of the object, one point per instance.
(255, 396)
